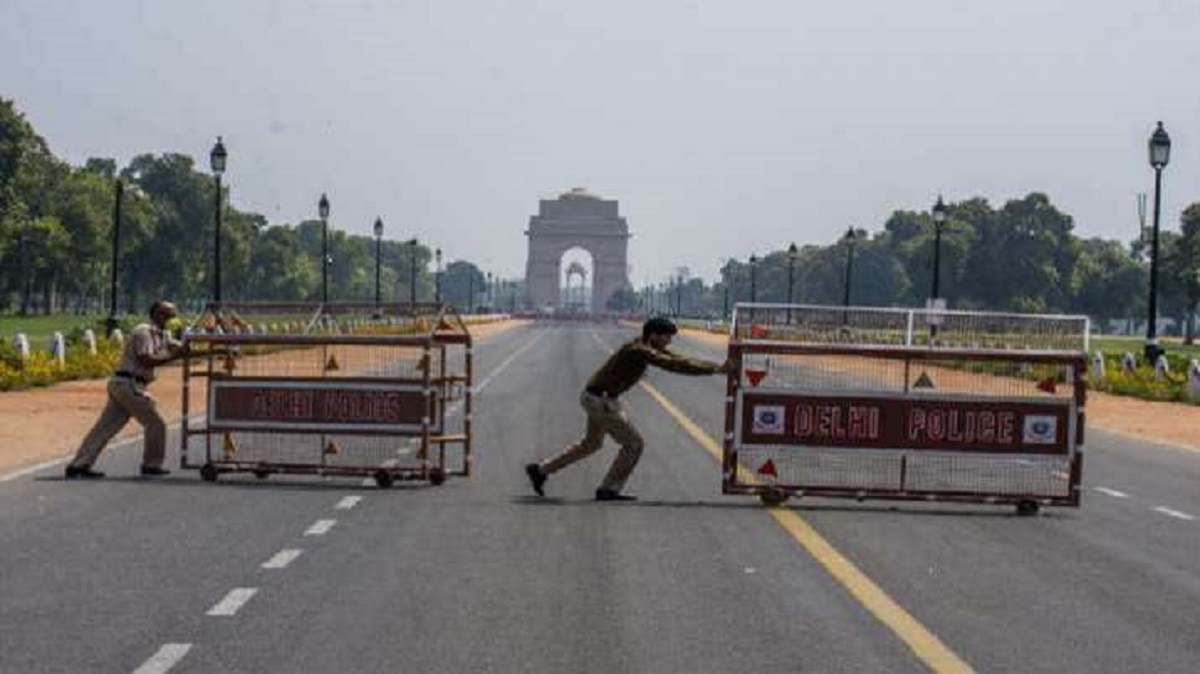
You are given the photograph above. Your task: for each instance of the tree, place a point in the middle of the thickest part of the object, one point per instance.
(622, 301)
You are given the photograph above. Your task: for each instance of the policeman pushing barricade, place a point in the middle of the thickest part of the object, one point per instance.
(600, 399)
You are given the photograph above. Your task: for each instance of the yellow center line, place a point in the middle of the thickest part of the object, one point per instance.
(924, 644)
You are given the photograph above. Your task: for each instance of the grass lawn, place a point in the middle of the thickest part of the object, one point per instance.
(1117, 345)
(39, 329)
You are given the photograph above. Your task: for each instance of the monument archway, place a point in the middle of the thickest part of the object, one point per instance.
(576, 219)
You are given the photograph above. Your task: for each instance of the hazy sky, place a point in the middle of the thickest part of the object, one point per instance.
(722, 127)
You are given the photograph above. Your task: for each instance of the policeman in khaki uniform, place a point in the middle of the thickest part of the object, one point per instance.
(605, 414)
(147, 347)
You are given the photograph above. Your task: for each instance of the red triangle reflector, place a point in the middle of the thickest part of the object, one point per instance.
(768, 468)
(1048, 385)
(756, 377)
(758, 332)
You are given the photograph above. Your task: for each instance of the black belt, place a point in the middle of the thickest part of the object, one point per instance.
(129, 375)
(599, 393)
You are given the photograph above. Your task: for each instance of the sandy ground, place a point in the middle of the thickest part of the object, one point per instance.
(1170, 423)
(43, 424)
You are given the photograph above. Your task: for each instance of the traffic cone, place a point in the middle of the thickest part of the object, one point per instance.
(924, 381)
(1048, 385)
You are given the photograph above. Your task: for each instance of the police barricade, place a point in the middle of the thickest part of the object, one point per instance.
(905, 404)
(354, 389)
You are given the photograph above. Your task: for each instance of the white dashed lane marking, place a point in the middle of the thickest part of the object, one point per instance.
(233, 602)
(1111, 492)
(282, 559)
(164, 659)
(320, 528)
(1173, 513)
(347, 503)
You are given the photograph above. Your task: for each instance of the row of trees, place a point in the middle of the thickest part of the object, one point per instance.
(56, 239)
(1022, 257)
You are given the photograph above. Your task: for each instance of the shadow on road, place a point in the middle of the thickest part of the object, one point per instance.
(277, 484)
(870, 509)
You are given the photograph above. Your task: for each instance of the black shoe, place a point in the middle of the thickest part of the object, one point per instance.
(536, 477)
(610, 495)
(81, 473)
(154, 471)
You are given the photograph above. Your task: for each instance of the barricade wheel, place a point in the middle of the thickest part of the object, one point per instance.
(208, 472)
(437, 476)
(1027, 508)
(383, 479)
(773, 497)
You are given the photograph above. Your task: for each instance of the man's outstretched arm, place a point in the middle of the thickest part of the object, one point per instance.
(673, 362)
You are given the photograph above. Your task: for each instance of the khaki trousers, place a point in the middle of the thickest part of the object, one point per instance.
(605, 416)
(126, 398)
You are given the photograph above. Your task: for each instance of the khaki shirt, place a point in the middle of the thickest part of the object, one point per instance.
(625, 367)
(144, 340)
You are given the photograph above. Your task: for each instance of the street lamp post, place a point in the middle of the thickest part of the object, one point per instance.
(489, 296)
(216, 161)
(939, 218)
(111, 323)
(753, 278)
(412, 273)
(378, 264)
(850, 241)
(323, 212)
(851, 238)
(1160, 154)
(792, 253)
(470, 290)
(437, 277)
(678, 297)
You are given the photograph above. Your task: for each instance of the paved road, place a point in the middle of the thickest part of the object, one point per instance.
(478, 576)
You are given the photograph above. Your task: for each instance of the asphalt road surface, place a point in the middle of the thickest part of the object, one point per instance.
(307, 574)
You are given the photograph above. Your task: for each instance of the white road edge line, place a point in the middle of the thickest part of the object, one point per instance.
(164, 659)
(1111, 492)
(1173, 513)
(38, 467)
(320, 528)
(233, 602)
(347, 503)
(282, 558)
(35, 468)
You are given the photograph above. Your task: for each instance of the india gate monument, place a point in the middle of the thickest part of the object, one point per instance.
(576, 219)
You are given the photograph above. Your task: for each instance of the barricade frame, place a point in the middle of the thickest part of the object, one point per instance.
(834, 338)
(446, 366)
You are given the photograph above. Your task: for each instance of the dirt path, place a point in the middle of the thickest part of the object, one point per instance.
(43, 424)
(1170, 423)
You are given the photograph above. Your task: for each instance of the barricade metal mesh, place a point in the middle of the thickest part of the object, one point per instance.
(798, 362)
(423, 356)
(869, 326)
